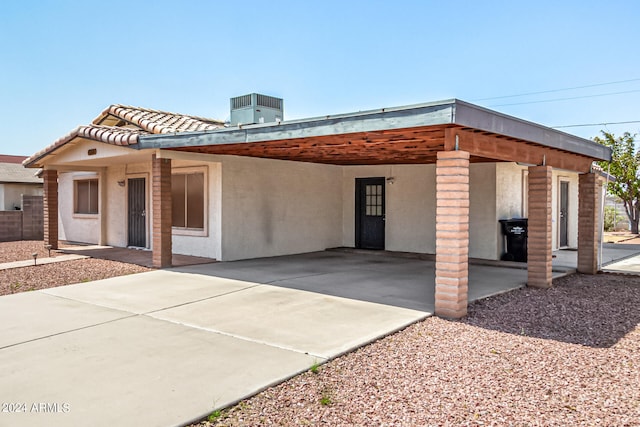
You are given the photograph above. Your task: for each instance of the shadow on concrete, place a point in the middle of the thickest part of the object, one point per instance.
(131, 256)
(595, 311)
(378, 277)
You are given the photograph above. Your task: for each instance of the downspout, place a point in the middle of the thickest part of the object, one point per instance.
(604, 199)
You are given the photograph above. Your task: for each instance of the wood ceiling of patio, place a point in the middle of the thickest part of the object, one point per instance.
(418, 145)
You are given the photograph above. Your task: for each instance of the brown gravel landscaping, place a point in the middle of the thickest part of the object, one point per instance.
(565, 356)
(51, 275)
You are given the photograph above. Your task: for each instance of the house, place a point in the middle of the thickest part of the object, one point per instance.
(429, 178)
(15, 181)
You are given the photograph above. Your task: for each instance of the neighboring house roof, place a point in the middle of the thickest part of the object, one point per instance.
(122, 125)
(16, 173)
(7, 158)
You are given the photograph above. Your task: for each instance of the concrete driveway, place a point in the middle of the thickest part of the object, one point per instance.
(167, 347)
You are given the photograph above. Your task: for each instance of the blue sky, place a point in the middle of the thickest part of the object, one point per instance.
(63, 62)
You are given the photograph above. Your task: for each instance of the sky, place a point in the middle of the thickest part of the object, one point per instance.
(63, 62)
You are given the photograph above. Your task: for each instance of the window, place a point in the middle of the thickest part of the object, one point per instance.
(86, 196)
(373, 205)
(187, 194)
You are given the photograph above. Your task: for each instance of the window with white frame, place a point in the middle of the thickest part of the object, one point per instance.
(188, 202)
(85, 196)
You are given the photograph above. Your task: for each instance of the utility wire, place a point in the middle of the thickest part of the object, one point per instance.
(565, 99)
(595, 124)
(556, 90)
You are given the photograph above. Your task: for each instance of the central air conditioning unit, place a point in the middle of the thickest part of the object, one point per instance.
(255, 108)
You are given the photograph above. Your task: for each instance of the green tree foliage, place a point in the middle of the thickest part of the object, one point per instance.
(625, 167)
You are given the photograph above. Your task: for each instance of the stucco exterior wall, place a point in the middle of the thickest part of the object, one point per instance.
(11, 194)
(510, 198)
(75, 227)
(209, 244)
(483, 223)
(410, 205)
(572, 226)
(275, 207)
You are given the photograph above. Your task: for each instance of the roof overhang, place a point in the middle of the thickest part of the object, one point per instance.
(409, 134)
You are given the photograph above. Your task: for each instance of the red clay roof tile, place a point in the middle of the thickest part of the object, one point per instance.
(113, 126)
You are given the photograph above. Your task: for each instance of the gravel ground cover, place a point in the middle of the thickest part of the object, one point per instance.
(23, 250)
(569, 355)
(57, 274)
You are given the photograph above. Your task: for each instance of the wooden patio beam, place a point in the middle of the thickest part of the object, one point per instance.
(492, 147)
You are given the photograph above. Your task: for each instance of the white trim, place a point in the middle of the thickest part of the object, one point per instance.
(524, 209)
(204, 232)
(562, 179)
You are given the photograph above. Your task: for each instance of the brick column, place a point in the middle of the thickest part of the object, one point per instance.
(50, 202)
(452, 233)
(589, 188)
(539, 257)
(161, 194)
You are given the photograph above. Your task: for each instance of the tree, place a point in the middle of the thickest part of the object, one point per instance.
(625, 168)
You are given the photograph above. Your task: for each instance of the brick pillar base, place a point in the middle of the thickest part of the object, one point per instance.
(539, 256)
(50, 202)
(161, 194)
(452, 233)
(589, 188)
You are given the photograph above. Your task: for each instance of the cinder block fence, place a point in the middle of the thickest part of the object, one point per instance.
(27, 224)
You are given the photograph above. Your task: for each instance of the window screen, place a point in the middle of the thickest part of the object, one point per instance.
(86, 196)
(187, 193)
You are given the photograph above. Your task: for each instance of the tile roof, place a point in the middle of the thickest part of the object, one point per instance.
(16, 173)
(154, 121)
(122, 124)
(7, 158)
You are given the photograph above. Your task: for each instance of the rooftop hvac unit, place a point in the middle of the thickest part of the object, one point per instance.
(255, 108)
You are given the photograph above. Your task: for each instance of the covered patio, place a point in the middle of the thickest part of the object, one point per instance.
(450, 134)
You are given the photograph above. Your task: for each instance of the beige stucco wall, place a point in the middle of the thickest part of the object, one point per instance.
(11, 194)
(261, 207)
(275, 207)
(75, 227)
(410, 205)
(208, 244)
(572, 179)
(483, 223)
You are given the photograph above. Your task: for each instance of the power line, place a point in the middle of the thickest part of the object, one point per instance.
(566, 99)
(595, 124)
(557, 90)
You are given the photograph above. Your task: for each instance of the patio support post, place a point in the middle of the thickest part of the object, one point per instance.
(50, 202)
(452, 233)
(103, 206)
(161, 194)
(539, 256)
(589, 193)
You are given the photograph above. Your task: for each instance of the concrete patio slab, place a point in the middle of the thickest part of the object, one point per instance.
(630, 265)
(319, 325)
(150, 291)
(136, 372)
(29, 316)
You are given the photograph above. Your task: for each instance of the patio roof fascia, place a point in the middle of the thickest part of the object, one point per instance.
(474, 116)
(452, 112)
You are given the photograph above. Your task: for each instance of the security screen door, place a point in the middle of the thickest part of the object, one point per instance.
(137, 213)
